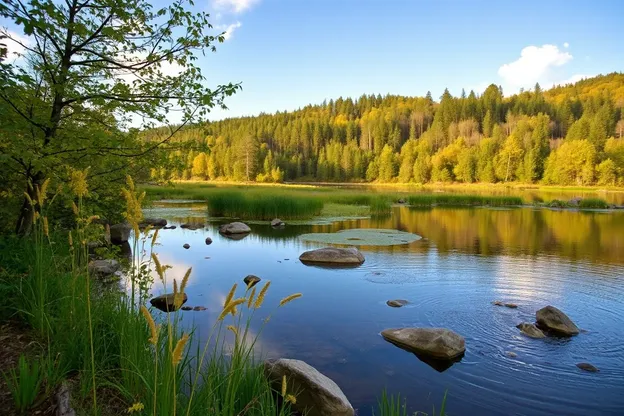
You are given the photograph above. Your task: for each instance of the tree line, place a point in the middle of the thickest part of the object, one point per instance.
(568, 135)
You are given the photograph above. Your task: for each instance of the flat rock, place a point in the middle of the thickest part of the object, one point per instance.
(208, 241)
(192, 226)
(170, 227)
(511, 354)
(332, 255)
(154, 222)
(120, 233)
(438, 343)
(165, 302)
(530, 330)
(187, 308)
(552, 319)
(187, 246)
(199, 308)
(277, 223)
(317, 394)
(234, 228)
(106, 267)
(587, 367)
(397, 303)
(251, 280)
(511, 305)
(498, 303)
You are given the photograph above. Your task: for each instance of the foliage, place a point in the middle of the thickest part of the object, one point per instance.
(24, 382)
(263, 206)
(427, 200)
(593, 203)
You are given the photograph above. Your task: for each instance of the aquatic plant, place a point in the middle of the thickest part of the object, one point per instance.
(363, 237)
(596, 203)
(428, 200)
(237, 204)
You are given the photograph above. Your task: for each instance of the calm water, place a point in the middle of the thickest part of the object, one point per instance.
(467, 259)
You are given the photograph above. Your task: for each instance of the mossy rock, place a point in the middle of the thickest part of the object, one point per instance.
(363, 237)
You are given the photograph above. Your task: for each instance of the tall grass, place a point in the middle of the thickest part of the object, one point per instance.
(262, 206)
(596, 203)
(428, 200)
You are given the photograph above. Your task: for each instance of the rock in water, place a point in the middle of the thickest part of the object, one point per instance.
(208, 241)
(199, 308)
(120, 233)
(317, 395)
(552, 319)
(187, 246)
(277, 223)
(511, 305)
(251, 280)
(497, 303)
(192, 226)
(587, 367)
(331, 255)
(439, 343)
(186, 308)
(401, 201)
(397, 303)
(166, 302)
(511, 354)
(104, 267)
(530, 330)
(154, 222)
(234, 228)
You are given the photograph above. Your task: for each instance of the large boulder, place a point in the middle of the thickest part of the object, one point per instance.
(154, 222)
(438, 343)
(104, 267)
(332, 255)
(251, 280)
(234, 228)
(552, 319)
(166, 302)
(120, 233)
(530, 330)
(317, 395)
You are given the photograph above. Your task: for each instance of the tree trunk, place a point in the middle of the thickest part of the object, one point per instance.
(27, 212)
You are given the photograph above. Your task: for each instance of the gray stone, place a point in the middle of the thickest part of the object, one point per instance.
(332, 255)
(401, 201)
(552, 319)
(317, 395)
(154, 222)
(166, 302)
(187, 308)
(192, 226)
(511, 354)
(511, 305)
(497, 303)
(530, 330)
(106, 267)
(587, 367)
(187, 246)
(120, 233)
(439, 343)
(397, 303)
(208, 241)
(575, 202)
(63, 401)
(251, 280)
(199, 308)
(277, 223)
(234, 228)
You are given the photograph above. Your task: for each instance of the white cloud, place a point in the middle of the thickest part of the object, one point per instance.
(237, 6)
(14, 44)
(573, 79)
(566, 45)
(229, 29)
(536, 64)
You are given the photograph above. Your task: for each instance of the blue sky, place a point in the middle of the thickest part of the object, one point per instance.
(288, 53)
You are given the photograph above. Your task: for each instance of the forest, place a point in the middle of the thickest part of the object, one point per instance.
(568, 135)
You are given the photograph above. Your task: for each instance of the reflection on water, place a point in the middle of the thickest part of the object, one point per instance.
(467, 259)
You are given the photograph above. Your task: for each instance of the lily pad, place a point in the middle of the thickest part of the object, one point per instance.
(363, 237)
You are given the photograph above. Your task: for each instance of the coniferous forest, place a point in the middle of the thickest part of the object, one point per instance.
(568, 135)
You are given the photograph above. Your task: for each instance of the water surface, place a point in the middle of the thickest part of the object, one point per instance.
(467, 258)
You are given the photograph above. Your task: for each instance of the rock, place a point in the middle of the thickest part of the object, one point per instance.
(397, 303)
(530, 330)
(187, 246)
(575, 202)
(401, 201)
(234, 228)
(511, 305)
(331, 255)
(317, 395)
(104, 267)
(199, 308)
(277, 223)
(120, 233)
(511, 354)
(439, 343)
(192, 226)
(587, 367)
(63, 401)
(154, 222)
(186, 308)
(497, 303)
(165, 302)
(251, 280)
(208, 241)
(552, 319)
(171, 227)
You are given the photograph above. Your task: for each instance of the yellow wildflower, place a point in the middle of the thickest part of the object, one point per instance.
(159, 269)
(151, 324)
(71, 242)
(230, 307)
(260, 299)
(185, 279)
(251, 297)
(29, 199)
(233, 329)
(155, 236)
(36, 216)
(45, 226)
(75, 208)
(136, 407)
(284, 385)
(291, 399)
(92, 218)
(230, 295)
(43, 191)
(179, 349)
(78, 182)
(107, 234)
(290, 298)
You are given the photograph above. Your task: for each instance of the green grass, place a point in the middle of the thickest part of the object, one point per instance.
(428, 200)
(593, 203)
(24, 382)
(262, 206)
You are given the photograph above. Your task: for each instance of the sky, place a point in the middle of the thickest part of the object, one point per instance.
(290, 53)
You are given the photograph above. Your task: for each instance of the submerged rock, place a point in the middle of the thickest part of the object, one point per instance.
(498, 303)
(154, 222)
(552, 319)
(120, 233)
(187, 246)
(208, 241)
(317, 394)
(511, 305)
(439, 343)
(363, 237)
(199, 308)
(397, 303)
(277, 223)
(104, 267)
(170, 227)
(234, 228)
(511, 354)
(587, 367)
(530, 330)
(192, 226)
(186, 308)
(401, 201)
(332, 255)
(251, 280)
(166, 302)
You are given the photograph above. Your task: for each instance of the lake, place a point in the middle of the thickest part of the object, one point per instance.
(468, 258)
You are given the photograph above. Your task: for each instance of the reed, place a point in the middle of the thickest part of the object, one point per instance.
(262, 206)
(593, 203)
(428, 200)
